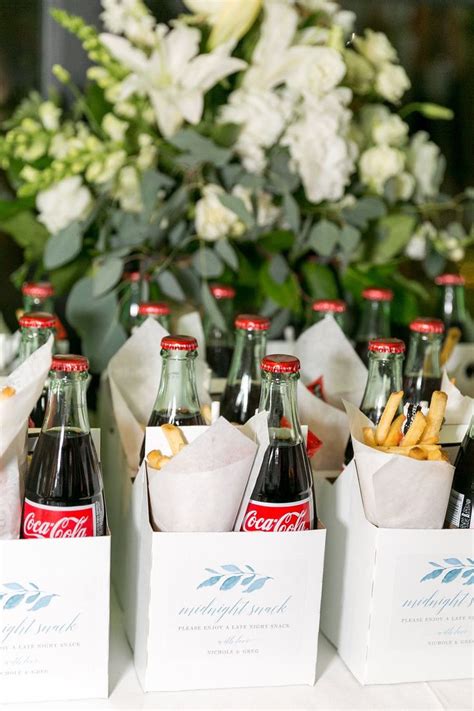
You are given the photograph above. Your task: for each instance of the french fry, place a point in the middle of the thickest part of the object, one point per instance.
(383, 427)
(435, 416)
(206, 413)
(415, 431)
(435, 455)
(156, 459)
(430, 440)
(369, 436)
(418, 453)
(407, 450)
(7, 392)
(175, 438)
(395, 433)
(450, 342)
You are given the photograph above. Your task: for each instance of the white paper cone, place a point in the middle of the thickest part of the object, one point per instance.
(9, 343)
(459, 408)
(191, 325)
(329, 424)
(399, 492)
(201, 488)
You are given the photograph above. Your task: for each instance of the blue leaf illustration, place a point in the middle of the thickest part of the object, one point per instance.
(469, 571)
(42, 602)
(2, 595)
(33, 597)
(13, 601)
(34, 586)
(210, 570)
(13, 586)
(470, 581)
(433, 574)
(249, 567)
(230, 582)
(471, 560)
(451, 575)
(257, 584)
(210, 581)
(248, 580)
(436, 565)
(452, 561)
(231, 568)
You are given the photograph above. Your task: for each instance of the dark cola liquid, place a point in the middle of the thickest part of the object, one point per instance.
(65, 471)
(182, 418)
(460, 513)
(374, 415)
(362, 350)
(285, 475)
(417, 388)
(219, 358)
(38, 412)
(238, 404)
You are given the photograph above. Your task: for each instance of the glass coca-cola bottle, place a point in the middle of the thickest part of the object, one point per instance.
(63, 490)
(38, 296)
(385, 376)
(35, 329)
(283, 496)
(134, 290)
(329, 308)
(219, 342)
(452, 307)
(242, 393)
(460, 513)
(157, 310)
(374, 319)
(422, 368)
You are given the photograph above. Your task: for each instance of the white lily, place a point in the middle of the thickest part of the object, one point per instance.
(175, 77)
(229, 19)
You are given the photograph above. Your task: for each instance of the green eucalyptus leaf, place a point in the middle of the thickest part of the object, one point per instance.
(199, 149)
(323, 237)
(227, 253)
(235, 204)
(231, 175)
(292, 212)
(190, 284)
(170, 286)
(279, 322)
(131, 230)
(286, 294)
(178, 233)
(107, 275)
(212, 309)
(27, 232)
(64, 278)
(319, 280)
(63, 247)
(281, 177)
(365, 209)
(225, 134)
(10, 208)
(278, 268)
(277, 240)
(206, 262)
(349, 239)
(152, 182)
(394, 233)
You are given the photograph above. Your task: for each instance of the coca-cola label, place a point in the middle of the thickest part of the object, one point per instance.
(269, 517)
(41, 521)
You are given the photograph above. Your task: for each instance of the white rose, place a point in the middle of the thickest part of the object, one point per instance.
(392, 131)
(375, 47)
(391, 82)
(212, 219)
(229, 20)
(360, 73)
(63, 203)
(317, 69)
(378, 164)
(128, 191)
(114, 127)
(49, 114)
(425, 161)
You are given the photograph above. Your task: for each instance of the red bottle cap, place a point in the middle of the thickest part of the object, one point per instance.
(38, 289)
(222, 291)
(374, 293)
(427, 325)
(450, 280)
(135, 276)
(70, 363)
(387, 345)
(280, 363)
(153, 308)
(179, 343)
(330, 305)
(37, 319)
(252, 322)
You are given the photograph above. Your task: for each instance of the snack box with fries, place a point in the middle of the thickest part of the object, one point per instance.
(54, 603)
(218, 610)
(397, 603)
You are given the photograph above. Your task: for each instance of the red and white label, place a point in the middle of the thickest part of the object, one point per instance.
(41, 521)
(262, 516)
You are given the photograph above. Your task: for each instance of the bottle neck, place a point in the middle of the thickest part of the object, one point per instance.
(423, 355)
(374, 321)
(35, 303)
(278, 398)
(215, 335)
(385, 376)
(177, 391)
(248, 353)
(32, 339)
(453, 304)
(67, 405)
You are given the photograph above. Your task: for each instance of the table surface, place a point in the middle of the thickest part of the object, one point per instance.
(335, 688)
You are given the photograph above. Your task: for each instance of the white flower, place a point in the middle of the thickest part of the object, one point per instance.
(267, 212)
(319, 148)
(393, 131)
(49, 114)
(230, 20)
(391, 82)
(262, 116)
(378, 164)
(457, 254)
(404, 185)
(63, 203)
(425, 161)
(131, 18)
(174, 77)
(212, 219)
(315, 69)
(360, 74)
(101, 171)
(128, 191)
(59, 146)
(345, 19)
(375, 47)
(148, 152)
(313, 35)
(416, 248)
(114, 127)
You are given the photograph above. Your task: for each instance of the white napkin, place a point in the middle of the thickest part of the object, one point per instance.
(257, 429)
(28, 381)
(461, 366)
(329, 424)
(190, 324)
(201, 488)
(459, 408)
(9, 344)
(397, 491)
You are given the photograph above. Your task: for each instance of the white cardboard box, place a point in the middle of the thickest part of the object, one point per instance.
(54, 618)
(391, 616)
(190, 635)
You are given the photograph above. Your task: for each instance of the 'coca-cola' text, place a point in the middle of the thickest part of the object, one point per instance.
(270, 517)
(41, 521)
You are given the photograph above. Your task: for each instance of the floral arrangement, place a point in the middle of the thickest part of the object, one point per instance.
(258, 143)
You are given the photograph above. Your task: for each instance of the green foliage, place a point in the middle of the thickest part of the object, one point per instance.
(207, 263)
(27, 232)
(286, 294)
(431, 111)
(231, 202)
(63, 247)
(324, 237)
(319, 281)
(198, 149)
(393, 234)
(107, 274)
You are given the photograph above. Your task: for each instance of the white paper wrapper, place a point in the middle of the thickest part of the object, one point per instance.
(331, 426)
(28, 380)
(459, 408)
(201, 488)
(399, 492)
(257, 429)
(9, 344)
(461, 366)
